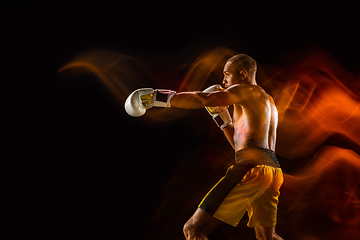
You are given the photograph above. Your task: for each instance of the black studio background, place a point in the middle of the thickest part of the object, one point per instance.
(107, 170)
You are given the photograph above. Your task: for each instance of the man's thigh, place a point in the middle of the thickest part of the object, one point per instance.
(203, 222)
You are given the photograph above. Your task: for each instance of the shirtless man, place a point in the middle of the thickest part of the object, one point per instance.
(252, 184)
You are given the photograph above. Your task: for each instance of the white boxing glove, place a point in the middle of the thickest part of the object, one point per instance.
(142, 99)
(220, 114)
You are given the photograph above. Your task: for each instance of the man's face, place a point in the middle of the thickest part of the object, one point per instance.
(231, 75)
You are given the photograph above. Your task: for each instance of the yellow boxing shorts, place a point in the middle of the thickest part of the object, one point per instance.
(257, 192)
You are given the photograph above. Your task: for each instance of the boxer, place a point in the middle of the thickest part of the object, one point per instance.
(253, 182)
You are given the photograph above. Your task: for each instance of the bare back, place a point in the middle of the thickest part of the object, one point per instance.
(255, 120)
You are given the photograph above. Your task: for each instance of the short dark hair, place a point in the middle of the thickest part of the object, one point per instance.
(244, 61)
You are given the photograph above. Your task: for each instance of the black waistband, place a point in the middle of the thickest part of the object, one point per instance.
(258, 148)
(256, 155)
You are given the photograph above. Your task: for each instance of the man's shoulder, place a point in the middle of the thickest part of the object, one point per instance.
(262, 92)
(245, 89)
(249, 94)
(250, 91)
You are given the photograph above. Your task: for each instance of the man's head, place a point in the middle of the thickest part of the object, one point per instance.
(239, 69)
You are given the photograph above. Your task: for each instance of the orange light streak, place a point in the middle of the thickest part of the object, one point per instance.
(316, 97)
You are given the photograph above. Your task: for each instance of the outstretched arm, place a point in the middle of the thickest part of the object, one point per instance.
(202, 99)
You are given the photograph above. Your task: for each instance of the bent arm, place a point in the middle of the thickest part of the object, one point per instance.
(201, 99)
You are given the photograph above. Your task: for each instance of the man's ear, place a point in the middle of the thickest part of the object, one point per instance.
(243, 74)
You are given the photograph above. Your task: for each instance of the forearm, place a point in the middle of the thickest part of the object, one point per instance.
(201, 99)
(188, 100)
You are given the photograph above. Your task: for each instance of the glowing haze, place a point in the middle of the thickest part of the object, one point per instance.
(316, 98)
